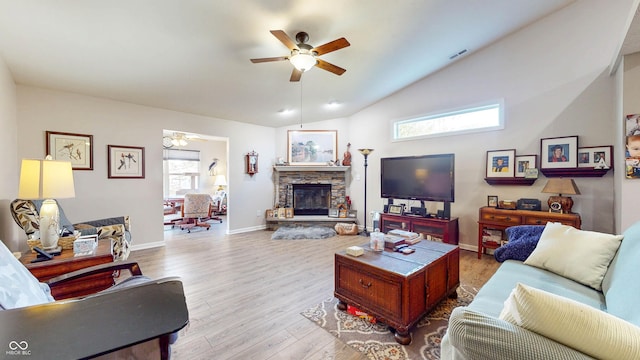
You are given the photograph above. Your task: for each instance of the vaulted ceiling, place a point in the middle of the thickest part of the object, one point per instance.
(193, 55)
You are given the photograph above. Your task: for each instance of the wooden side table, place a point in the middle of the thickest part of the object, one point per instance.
(500, 219)
(66, 262)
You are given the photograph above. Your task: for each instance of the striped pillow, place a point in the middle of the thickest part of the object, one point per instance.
(579, 326)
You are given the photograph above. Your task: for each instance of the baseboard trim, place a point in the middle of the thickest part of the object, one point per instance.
(148, 245)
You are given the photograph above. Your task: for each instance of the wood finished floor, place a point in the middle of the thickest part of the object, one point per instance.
(245, 292)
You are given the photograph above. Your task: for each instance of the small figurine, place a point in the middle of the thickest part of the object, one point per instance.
(601, 164)
(346, 161)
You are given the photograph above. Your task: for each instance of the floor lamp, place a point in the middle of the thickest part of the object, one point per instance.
(366, 153)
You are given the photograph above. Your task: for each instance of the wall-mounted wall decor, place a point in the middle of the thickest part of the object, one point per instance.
(559, 152)
(595, 157)
(501, 163)
(125, 162)
(76, 148)
(524, 163)
(312, 147)
(632, 146)
(252, 163)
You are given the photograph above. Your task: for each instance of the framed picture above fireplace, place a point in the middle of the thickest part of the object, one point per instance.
(312, 147)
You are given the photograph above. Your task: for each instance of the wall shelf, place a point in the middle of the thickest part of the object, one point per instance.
(510, 181)
(577, 172)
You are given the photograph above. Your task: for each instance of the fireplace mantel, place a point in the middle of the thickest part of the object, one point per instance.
(302, 168)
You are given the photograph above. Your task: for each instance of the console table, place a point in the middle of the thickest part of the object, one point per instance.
(445, 230)
(65, 263)
(500, 219)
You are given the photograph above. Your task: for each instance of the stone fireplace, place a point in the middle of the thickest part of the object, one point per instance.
(330, 183)
(311, 199)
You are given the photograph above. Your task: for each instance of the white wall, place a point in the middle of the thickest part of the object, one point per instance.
(553, 77)
(118, 123)
(8, 148)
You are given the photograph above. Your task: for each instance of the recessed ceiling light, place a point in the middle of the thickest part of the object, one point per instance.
(333, 104)
(285, 111)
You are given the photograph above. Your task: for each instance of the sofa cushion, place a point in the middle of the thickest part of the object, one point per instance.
(18, 287)
(491, 297)
(477, 336)
(522, 241)
(620, 284)
(581, 327)
(580, 255)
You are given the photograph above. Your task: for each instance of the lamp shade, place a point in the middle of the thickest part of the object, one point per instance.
(45, 179)
(220, 181)
(365, 152)
(561, 186)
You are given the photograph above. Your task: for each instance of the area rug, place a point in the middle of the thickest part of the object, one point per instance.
(303, 232)
(377, 342)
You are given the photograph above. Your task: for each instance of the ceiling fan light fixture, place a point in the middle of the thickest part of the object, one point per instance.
(179, 142)
(302, 60)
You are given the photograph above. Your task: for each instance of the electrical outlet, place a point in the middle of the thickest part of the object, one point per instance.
(258, 213)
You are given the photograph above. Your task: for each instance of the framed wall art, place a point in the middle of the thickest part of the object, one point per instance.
(524, 163)
(632, 146)
(76, 148)
(312, 147)
(125, 162)
(501, 163)
(559, 152)
(595, 157)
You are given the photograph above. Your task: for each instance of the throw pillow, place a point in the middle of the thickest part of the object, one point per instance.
(582, 256)
(522, 241)
(579, 326)
(18, 287)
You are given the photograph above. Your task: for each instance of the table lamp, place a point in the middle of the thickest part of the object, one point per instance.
(220, 182)
(561, 204)
(47, 179)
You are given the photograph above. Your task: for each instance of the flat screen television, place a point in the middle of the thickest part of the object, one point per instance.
(424, 178)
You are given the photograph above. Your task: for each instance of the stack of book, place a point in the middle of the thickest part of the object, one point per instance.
(407, 236)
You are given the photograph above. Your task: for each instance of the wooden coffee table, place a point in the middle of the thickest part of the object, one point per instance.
(398, 289)
(65, 263)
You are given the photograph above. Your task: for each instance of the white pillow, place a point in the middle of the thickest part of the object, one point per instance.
(583, 256)
(18, 287)
(576, 325)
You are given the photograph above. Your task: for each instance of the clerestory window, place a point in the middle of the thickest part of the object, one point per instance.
(474, 119)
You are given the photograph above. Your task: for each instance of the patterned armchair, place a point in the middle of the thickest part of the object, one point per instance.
(196, 210)
(116, 229)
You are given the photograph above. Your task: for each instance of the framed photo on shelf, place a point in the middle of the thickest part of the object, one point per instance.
(76, 148)
(312, 147)
(524, 163)
(501, 163)
(125, 162)
(282, 213)
(559, 152)
(492, 201)
(334, 212)
(595, 157)
(288, 212)
(269, 213)
(396, 209)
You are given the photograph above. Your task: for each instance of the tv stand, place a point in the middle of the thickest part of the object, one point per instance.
(444, 230)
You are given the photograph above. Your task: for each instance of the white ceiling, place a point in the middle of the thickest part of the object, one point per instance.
(193, 55)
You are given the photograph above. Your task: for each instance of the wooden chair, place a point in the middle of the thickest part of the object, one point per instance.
(136, 318)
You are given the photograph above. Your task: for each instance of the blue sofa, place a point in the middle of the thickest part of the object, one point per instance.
(478, 331)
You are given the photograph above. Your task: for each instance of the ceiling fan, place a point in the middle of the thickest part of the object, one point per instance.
(303, 56)
(179, 139)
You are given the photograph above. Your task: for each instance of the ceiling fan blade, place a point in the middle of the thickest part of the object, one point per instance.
(261, 60)
(330, 67)
(295, 75)
(285, 39)
(331, 46)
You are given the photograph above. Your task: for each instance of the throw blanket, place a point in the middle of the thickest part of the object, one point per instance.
(522, 241)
